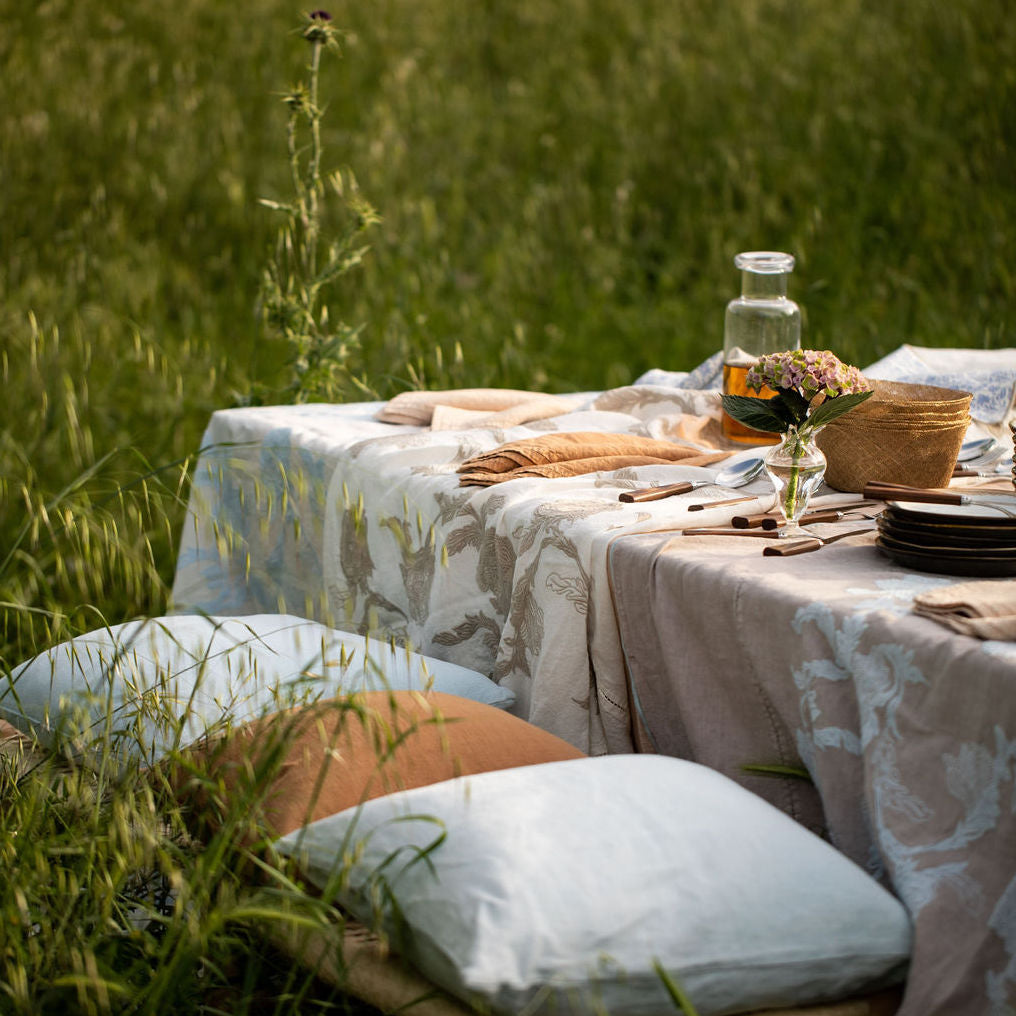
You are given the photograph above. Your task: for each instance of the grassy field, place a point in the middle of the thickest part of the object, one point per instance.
(562, 187)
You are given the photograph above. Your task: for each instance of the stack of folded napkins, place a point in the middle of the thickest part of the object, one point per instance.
(575, 453)
(985, 610)
(472, 407)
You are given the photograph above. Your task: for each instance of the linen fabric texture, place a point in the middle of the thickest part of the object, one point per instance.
(491, 578)
(165, 682)
(459, 408)
(906, 728)
(307, 763)
(557, 887)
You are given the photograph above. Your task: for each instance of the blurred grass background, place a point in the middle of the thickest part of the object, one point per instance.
(563, 185)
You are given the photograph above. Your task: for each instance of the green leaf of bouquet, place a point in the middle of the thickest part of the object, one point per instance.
(794, 406)
(759, 414)
(833, 408)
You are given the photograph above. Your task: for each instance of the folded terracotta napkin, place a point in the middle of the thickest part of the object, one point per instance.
(575, 453)
(986, 610)
(471, 407)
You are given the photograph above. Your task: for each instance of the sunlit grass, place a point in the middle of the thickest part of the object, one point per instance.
(562, 189)
(108, 904)
(553, 178)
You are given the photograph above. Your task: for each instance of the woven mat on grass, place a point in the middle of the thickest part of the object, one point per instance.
(356, 960)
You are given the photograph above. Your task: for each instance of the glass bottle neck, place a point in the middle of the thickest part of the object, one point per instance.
(769, 286)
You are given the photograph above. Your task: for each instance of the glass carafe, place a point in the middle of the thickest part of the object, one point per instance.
(761, 320)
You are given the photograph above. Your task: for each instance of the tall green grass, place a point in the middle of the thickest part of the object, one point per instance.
(110, 905)
(563, 186)
(554, 178)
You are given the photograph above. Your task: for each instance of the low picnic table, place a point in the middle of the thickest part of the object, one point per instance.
(619, 634)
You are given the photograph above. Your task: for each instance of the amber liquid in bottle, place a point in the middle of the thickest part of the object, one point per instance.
(760, 321)
(734, 376)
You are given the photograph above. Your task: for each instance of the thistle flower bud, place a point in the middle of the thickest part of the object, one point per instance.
(319, 28)
(298, 100)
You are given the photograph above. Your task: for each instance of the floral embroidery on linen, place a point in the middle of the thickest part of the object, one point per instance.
(894, 595)
(973, 775)
(1003, 922)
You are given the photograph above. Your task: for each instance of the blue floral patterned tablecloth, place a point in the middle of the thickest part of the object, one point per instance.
(907, 730)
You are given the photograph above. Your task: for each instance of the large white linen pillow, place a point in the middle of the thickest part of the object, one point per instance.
(165, 681)
(555, 887)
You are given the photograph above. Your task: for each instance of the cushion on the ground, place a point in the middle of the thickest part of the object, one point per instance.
(316, 760)
(164, 681)
(557, 887)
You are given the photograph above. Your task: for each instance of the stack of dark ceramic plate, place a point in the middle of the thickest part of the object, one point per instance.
(970, 539)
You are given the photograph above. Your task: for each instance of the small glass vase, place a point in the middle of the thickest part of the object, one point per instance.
(796, 467)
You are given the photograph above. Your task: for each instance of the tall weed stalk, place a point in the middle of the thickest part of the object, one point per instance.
(305, 264)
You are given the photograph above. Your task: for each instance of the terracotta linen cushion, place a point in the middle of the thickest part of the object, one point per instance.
(309, 762)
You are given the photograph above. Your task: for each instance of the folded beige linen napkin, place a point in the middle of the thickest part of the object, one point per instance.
(575, 453)
(471, 407)
(986, 610)
(453, 418)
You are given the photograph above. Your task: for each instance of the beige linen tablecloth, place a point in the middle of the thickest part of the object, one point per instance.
(907, 729)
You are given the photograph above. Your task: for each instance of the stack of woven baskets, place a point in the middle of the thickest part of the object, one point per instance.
(904, 433)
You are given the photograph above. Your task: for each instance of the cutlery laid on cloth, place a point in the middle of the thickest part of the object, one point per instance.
(804, 544)
(736, 475)
(767, 520)
(830, 515)
(723, 503)
(782, 544)
(765, 534)
(1004, 501)
(993, 474)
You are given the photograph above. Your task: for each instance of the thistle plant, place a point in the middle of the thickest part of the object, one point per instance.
(304, 262)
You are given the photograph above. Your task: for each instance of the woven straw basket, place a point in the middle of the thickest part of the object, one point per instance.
(904, 433)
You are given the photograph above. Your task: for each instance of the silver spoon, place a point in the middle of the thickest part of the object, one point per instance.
(735, 475)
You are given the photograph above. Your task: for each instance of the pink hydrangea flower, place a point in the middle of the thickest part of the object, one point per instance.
(810, 372)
